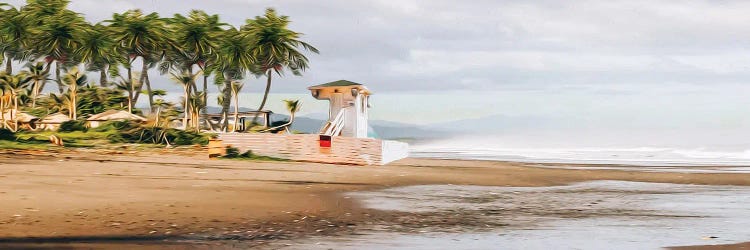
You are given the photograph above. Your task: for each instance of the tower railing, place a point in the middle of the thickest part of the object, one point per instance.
(334, 127)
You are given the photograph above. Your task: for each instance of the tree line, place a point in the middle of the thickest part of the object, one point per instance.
(45, 34)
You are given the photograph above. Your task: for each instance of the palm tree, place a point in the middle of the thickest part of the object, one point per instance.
(13, 86)
(236, 88)
(15, 34)
(74, 79)
(5, 98)
(130, 87)
(185, 79)
(57, 40)
(293, 106)
(276, 47)
(234, 59)
(38, 79)
(39, 9)
(144, 36)
(199, 35)
(97, 50)
(24, 97)
(160, 104)
(195, 104)
(50, 33)
(94, 99)
(55, 103)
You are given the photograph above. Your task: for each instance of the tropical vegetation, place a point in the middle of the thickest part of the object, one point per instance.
(45, 42)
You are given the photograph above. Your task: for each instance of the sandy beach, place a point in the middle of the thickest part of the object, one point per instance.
(159, 199)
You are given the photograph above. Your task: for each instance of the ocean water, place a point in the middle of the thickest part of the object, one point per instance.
(629, 147)
(641, 124)
(664, 215)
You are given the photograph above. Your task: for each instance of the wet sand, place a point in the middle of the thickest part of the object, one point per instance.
(585, 215)
(738, 246)
(174, 199)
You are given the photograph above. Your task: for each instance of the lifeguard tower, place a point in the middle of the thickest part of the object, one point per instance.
(348, 105)
(342, 139)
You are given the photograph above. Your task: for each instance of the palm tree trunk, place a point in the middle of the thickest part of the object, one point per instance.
(57, 76)
(186, 108)
(268, 89)
(130, 75)
(130, 102)
(192, 82)
(141, 80)
(227, 92)
(73, 101)
(265, 96)
(34, 93)
(205, 93)
(14, 114)
(291, 121)
(2, 110)
(236, 110)
(130, 88)
(158, 113)
(145, 81)
(44, 73)
(8, 64)
(196, 124)
(70, 108)
(103, 77)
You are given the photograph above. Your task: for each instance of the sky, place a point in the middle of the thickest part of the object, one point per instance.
(417, 52)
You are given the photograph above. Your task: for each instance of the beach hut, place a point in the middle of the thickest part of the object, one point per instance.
(113, 115)
(348, 105)
(51, 122)
(25, 120)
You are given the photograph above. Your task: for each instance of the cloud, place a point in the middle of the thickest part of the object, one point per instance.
(439, 44)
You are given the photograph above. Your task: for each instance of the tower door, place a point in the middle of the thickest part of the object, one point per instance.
(337, 103)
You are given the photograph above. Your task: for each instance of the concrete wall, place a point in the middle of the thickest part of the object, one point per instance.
(306, 147)
(394, 150)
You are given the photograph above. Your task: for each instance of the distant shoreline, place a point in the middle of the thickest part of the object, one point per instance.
(478, 156)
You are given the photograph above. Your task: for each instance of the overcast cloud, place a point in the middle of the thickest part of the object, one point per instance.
(428, 45)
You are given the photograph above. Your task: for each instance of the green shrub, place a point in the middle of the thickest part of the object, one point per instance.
(38, 112)
(32, 140)
(7, 135)
(247, 154)
(70, 126)
(139, 134)
(124, 132)
(181, 137)
(117, 126)
(116, 137)
(232, 152)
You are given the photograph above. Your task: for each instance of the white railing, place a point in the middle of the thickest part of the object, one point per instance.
(333, 128)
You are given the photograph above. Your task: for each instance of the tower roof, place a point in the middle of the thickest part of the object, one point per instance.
(339, 83)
